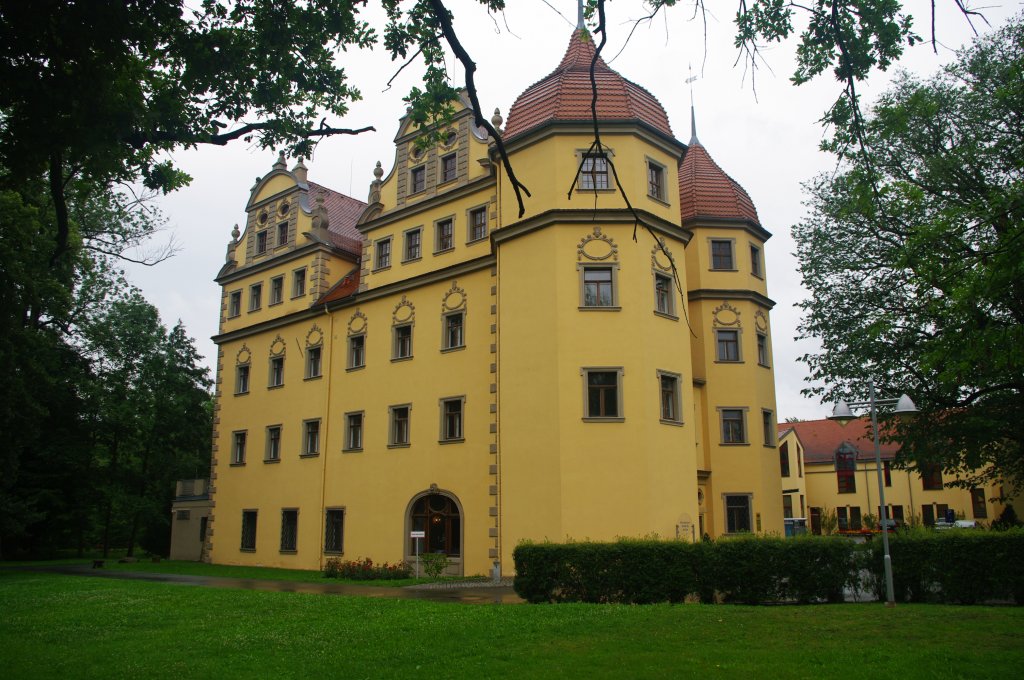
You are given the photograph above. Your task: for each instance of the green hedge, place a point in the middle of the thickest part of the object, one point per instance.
(749, 570)
(953, 566)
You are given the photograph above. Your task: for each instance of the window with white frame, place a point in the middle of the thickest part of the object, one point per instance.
(234, 303)
(313, 362)
(454, 337)
(655, 180)
(382, 254)
(273, 453)
(277, 290)
(255, 296)
(734, 425)
(311, 437)
(598, 286)
(768, 426)
(413, 245)
(402, 342)
(276, 371)
(417, 179)
(727, 343)
(299, 282)
(669, 398)
(594, 172)
(282, 234)
(664, 296)
(452, 410)
(722, 254)
(354, 431)
(238, 447)
(478, 224)
(356, 351)
(444, 235)
(261, 242)
(398, 425)
(242, 379)
(762, 349)
(602, 393)
(449, 167)
(755, 261)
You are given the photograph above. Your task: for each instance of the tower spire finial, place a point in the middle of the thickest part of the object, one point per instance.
(579, 15)
(693, 113)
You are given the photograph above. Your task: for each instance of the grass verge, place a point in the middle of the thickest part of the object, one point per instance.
(109, 628)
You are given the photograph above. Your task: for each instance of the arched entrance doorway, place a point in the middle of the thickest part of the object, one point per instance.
(438, 515)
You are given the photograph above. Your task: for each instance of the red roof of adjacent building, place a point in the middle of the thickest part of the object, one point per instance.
(565, 94)
(343, 289)
(705, 191)
(821, 438)
(342, 214)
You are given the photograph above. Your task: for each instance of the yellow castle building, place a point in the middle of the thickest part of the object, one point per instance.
(430, 371)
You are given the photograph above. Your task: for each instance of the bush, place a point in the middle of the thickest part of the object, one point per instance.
(366, 570)
(434, 564)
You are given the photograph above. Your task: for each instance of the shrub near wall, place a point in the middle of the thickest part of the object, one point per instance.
(954, 566)
(748, 570)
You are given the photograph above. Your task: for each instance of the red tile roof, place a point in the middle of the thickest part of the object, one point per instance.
(342, 289)
(565, 94)
(706, 191)
(821, 438)
(342, 213)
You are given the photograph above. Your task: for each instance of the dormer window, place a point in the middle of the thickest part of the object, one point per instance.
(594, 174)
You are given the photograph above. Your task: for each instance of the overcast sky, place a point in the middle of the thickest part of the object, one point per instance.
(763, 132)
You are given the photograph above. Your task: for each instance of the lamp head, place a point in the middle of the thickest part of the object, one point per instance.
(842, 414)
(904, 406)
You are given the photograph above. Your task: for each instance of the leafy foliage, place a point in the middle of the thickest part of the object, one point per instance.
(366, 570)
(912, 255)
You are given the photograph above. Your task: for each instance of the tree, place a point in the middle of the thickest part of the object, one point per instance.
(913, 257)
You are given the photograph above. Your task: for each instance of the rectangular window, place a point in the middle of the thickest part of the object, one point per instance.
(978, 506)
(354, 431)
(299, 282)
(768, 427)
(234, 303)
(403, 342)
(928, 515)
(444, 235)
(242, 379)
(728, 345)
(842, 519)
(669, 397)
(655, 181)
(664, 297)
(737, 514)
(477, 224)
(787, 506)
(261, 242)
(449, 167)
(931, 477)
(453, 330)
(248, 530)
(313, 362)
(334, 532)
(598, 287)
(784, 459)
(451, 419)
(276, 371)
(855, 523)
(603, 393)
(276, 290)
(399, 426)
(356, 351)
(289, 530)
(282, 234)
(238, 449)
(311, 438)
(594, 173)
(755, 261)
(413, 245)
(802, 506)
(273, 443)
(762, 349)
(734, 429)
(417, 179)
(255, 296)
(897, 514)
(721, 254)
(383, 254)
(887, 473)
(846, 468)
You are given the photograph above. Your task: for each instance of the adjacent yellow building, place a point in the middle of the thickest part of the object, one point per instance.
(432, 371)
(842, 478)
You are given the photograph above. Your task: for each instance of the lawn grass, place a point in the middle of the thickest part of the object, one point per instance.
(69, 626)
(228, 571)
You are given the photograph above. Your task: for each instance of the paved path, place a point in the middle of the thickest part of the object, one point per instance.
(460, 592)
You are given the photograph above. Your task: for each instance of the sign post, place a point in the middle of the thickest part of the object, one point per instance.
(417, 535)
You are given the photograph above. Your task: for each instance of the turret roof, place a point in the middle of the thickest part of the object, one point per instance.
(706, 191)
(565, 94)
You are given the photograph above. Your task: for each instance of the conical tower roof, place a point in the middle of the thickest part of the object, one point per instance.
(705, 191)
(565, 94)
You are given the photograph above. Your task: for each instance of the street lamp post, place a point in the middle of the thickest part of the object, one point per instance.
(843, 414)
